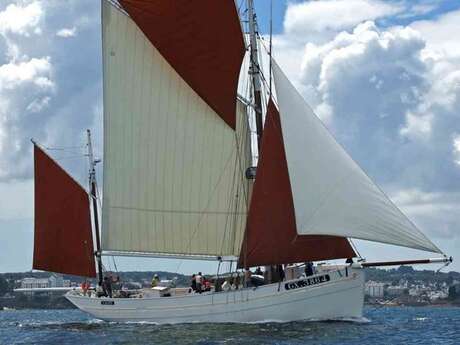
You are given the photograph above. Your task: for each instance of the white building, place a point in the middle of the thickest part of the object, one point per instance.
(56, 281)
(374, 289)
(51, 282)
(435, 295)
(35, 283)
(396, 291)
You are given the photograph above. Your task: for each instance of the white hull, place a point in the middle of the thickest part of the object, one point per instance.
(338, 296)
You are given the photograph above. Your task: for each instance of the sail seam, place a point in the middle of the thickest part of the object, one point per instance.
(174, 211)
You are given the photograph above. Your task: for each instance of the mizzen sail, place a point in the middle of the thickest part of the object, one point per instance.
(173, 166)
(332, 195)
(63, 239)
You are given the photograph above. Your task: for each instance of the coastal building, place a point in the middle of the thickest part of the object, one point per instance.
(374, 289)
(396, 291)
(41, 283)
(436, 295)
(35, 283)
(56, 281)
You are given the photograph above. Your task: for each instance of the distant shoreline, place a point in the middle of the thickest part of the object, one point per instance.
(416, 305)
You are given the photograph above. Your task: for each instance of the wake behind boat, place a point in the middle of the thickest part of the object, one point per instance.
(208, 157)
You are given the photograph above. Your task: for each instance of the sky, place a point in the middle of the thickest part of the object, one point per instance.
(384, 76)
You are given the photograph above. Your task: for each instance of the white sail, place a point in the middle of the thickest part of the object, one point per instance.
(173, 169)
(332, 195)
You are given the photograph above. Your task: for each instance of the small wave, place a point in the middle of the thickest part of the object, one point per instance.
(339, 319)
(142, 323)
(354, 319)
(77, 325)
(420, 318)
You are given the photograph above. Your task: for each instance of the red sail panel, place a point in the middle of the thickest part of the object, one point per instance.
(271, 233)
(63, 239)
(201, 40)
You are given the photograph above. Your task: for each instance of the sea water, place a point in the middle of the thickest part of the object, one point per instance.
(385, 325)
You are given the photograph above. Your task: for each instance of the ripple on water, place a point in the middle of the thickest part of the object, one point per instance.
(388, 325)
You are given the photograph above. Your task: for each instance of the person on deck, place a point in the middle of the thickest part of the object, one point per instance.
(206, 285)
(155, 280)
(258, 272)
(85, 287)
(116, 283)
(247, 277)
(193, 284)
(280, 272)
(107, 287)
(309, 269)
(199, 281)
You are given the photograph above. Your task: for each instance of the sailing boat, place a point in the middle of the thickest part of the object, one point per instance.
(180, 180)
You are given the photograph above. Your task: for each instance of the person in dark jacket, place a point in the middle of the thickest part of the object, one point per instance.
(280, 272)
(309, 269)
(107, 287)
(193, 283)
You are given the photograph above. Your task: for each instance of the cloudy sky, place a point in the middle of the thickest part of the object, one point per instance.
(383, 75)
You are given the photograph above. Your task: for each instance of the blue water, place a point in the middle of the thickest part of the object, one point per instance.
(389, 325)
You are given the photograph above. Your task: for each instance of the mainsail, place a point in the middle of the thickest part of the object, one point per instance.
(63, 240)
(174, 152)
(332, 195)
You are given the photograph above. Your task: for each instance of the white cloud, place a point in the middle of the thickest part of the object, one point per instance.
(25, 87)
(456, 148)
(66, 32)
(35, 70)
(37, 105)
(366, 73)
(437, 212)
(440, 33)
(417, 126)
(22, 20)
(332, 15)
(19, 206)
(44, 94)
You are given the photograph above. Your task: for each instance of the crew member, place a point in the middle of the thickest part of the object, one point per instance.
(247, 277)
(199, 281)
(193, 283)
(308, 269)
(107, 287)
(155, 280)
(85, 287)
(280, 272)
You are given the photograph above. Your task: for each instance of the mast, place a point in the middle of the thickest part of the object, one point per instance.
(254, 70)
(93, 189)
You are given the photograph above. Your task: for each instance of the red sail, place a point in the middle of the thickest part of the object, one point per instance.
(201, 40)
(271, 233)
(63, 239)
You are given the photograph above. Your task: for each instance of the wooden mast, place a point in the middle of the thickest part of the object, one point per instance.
(254, 71)
(93, 192)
